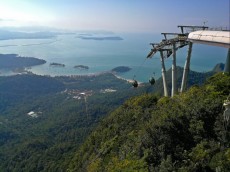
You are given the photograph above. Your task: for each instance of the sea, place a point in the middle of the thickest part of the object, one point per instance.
(104, 55)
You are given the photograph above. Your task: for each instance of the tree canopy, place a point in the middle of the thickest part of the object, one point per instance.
(147, 133)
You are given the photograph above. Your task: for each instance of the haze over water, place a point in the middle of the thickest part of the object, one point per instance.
(102, 56)
(137, 22)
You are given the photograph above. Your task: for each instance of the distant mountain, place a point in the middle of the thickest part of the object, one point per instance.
(219, 67)
(32, 29)
(194, 78)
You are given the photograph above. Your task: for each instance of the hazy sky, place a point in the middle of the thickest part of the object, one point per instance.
(115, 15)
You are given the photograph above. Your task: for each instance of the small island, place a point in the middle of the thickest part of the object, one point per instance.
(81, 67)
(121, 69)
(57, 64)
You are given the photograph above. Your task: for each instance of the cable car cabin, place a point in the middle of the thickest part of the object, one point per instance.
(135, 84)
(169, 53)
(152, 81)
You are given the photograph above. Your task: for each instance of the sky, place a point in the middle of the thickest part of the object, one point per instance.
(115, 15)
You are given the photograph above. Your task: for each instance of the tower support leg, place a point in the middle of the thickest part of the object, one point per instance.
(186, 68)
(227, 63)
(164, 74)
(174, 75)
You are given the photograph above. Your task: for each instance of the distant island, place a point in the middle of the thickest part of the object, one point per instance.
(101, 38)
(14, 61)
(85, 34)
(121, 69)
(81, 67)
(6, 35)
(57, 64)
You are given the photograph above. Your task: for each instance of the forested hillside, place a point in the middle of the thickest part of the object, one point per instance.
(194, 78)
(43, 119)
(148, 133)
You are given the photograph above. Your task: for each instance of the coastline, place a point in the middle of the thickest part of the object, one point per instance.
(27, 71)
(127, 80)
(119, 77)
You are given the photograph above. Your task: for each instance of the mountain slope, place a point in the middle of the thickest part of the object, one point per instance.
(219, 67)
(185, 133)
(65, 116)
(194, 78)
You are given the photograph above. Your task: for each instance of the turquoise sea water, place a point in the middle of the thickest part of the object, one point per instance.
(102, 56)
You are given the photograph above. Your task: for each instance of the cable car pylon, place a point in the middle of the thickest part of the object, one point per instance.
(171, 45)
